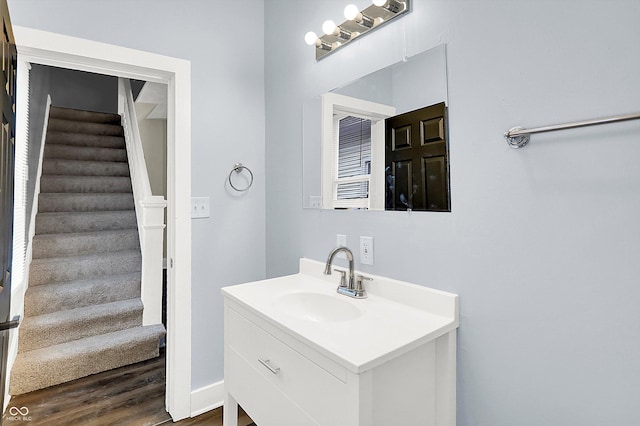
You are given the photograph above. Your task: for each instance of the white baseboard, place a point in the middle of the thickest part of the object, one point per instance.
(207, 398)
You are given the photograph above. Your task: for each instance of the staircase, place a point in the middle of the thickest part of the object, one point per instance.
(83, 312)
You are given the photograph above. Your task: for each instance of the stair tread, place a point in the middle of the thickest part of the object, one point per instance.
(85, 311)
(80, 162)
(68, 361)
(86, 233)
(83, 184)
(59, 318)
(52, 151)
(87, 194)
(84, 127)
(84, 115)
(81, 257)
(85, 148)
(86, 221)
(92, 343)
(85, 282)
(43, 299)
(70, 243)
(84, 168)
(101, 212)
(84, 201)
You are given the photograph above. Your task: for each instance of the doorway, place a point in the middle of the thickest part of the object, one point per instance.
(44, 48)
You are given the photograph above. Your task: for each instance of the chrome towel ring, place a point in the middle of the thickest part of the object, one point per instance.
(238, 167)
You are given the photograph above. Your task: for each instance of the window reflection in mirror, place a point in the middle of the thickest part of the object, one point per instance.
(344, 169)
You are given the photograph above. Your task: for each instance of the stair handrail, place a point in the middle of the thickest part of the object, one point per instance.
(149, 209)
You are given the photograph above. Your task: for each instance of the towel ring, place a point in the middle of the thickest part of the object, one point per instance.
(238, 167)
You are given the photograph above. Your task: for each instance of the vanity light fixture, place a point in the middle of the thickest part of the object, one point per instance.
(358, 22)
(312, 39)
(393, 6)
(330, 28)
(352, 13)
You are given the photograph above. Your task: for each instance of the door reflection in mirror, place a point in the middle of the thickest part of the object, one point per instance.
(416, 160)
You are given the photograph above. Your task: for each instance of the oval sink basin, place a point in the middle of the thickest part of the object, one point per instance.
(317, 307)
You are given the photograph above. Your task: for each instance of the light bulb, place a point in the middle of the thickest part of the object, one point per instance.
(393, 6)
(351, 12)
(310, 38)
(329, 27)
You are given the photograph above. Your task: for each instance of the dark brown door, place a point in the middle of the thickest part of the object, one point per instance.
(417, 160)
(7, 161)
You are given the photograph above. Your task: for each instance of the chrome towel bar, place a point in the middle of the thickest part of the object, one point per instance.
(517, 137)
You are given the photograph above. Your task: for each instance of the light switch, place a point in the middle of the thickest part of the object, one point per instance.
(314, 201)
(199, 207)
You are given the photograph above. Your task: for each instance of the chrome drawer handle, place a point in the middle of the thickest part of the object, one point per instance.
(267, 363)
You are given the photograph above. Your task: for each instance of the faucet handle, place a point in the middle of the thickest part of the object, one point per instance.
(359, 283)
(343, 277)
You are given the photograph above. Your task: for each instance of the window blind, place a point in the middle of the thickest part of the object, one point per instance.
(354, 156)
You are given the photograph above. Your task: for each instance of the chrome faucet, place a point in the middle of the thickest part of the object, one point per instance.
(351, 288)
(327, 269)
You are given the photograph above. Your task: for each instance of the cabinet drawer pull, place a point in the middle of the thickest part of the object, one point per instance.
(267, 363)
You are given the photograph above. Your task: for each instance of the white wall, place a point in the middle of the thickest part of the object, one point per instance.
(227, 127)
(542, 243)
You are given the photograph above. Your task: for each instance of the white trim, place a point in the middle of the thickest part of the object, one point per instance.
(334, 104)
(41, 47)
(149, 209)
(207, 398)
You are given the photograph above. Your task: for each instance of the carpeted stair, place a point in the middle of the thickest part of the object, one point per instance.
(83, 312)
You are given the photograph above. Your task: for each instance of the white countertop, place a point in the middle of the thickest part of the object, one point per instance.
(395, 317)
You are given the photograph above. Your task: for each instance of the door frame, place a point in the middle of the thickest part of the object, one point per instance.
(45, 48)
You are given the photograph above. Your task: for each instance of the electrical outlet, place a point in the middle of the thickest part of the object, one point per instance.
(341, 241)
(199, 207)
(366, 250)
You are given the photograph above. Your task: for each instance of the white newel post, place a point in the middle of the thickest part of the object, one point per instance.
(149, 210)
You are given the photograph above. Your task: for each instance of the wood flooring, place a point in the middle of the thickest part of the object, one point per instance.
(133, 396)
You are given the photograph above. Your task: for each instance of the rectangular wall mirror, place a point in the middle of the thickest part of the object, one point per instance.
(380, 142)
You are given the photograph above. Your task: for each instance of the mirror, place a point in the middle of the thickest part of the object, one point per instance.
(404, 87)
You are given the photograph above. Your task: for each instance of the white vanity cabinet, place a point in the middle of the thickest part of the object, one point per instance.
(305, 370)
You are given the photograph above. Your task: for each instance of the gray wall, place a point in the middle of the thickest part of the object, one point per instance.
(227, 127)
(82, 90)
(542, 243)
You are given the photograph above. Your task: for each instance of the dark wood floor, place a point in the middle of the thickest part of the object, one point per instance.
(132, 395)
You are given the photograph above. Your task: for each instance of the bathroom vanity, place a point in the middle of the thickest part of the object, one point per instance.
(298, 353)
